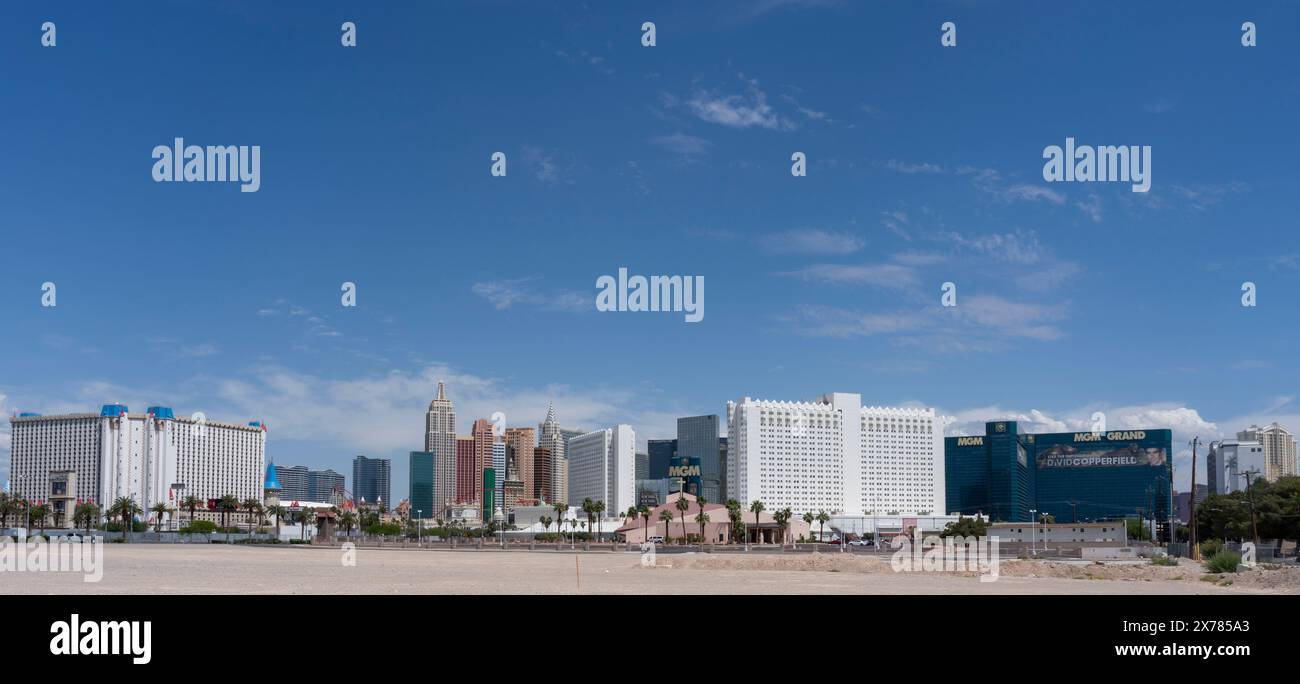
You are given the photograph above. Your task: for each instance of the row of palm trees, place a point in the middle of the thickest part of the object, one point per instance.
(782, 517)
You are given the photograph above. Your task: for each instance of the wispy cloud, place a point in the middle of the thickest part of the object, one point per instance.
(811, 241)
(505, 294)
(889, 276)
(688, 146)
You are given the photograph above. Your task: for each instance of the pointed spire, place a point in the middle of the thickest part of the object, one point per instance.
(442, 395)
(550, 412)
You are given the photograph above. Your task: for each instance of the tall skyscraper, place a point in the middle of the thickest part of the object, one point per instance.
(440, 440)
(602, 467)
(642, 465)
(465, 471)
(295, 483)
(697, 446)
(372, 481)
(499, 469)
(422, 485)
(834, 454)
(660, 453)
(553, 438)
(483, 442)
(326, 486)
(543, 475)
(520, 443)
(1279, 449)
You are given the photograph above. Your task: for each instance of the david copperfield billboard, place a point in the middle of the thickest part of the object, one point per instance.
(1104, 455)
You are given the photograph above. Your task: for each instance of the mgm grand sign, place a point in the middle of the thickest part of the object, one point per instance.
(684, 471)
(1101, 456)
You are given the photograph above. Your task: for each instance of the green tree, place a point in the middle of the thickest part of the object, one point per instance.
(808, 517)
(782, 518)
(276, 511)
(645, 522)
(589, 507)
(599, 510)
(85, 514)
(124, 507)
(254, 509)
(38, 514)
(702, 518)
(191, 502)
(682, 506)
(822, 518)
(756, 507)
(306, 515)
(965, 527)
(666, 515)
(159, 510)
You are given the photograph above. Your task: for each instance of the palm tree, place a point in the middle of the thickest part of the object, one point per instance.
(588, 507)
(632, 514)
(666, 516)
(560, 510)
(304, 515)
(347, 520)
(191, 502)
(39, 513)
(4, 510)
(808, 517)
(125, 507)
(782, 518)
(682, 506)
(546, 523)
(599, 510)
(702, 518)
(276, 511)
(645, 522)
(226, 505)
(253, 506)
(85, 514)
(822, 518)
(757, 507)
(735, 516)
(159, 510)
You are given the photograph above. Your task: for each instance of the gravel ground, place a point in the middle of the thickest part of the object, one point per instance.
(218, 569)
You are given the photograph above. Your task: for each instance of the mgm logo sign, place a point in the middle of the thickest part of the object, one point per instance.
(684, 470)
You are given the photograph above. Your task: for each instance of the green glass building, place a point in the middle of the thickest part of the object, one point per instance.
(422, 485)
(1072, 476)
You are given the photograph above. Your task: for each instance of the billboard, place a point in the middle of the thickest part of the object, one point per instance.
(1100, 456)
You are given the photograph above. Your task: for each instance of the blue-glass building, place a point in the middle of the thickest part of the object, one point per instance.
(1073, 476)
(661, 453)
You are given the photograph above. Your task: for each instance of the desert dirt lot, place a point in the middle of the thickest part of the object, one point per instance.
(219, 569)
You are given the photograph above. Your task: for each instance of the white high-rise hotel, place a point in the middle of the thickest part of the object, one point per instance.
(116, 453)
(835, 455)
(602, 467)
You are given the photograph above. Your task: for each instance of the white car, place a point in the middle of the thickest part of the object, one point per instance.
(860, 542)
(656, 539)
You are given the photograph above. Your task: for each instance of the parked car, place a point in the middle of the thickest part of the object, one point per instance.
(656, 539)
(860, 542)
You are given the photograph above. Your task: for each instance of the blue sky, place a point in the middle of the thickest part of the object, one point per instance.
(925, 166)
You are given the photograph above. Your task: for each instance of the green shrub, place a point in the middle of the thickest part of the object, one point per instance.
(199, 527)
(1211, 547)
(1223, 561)
(1164, 560)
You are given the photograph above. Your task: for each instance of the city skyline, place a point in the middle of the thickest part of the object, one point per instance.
(1073, 298)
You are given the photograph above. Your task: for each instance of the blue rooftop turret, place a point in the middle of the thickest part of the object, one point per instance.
(113, 410)
(162, 412)
(272, 482)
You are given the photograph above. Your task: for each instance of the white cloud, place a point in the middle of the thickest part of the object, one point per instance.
(811, 241)
(504, 294)
(893, 276)
(746, 110)
(913, 168)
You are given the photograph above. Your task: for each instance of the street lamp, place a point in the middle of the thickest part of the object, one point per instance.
(1044, 530)
(419, 522)
(1033, 530)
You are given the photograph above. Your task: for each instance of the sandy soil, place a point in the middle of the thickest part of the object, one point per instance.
(202, 569)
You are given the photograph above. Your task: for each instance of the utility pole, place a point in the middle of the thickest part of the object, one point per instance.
(1250, 495)
(1195, 549)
